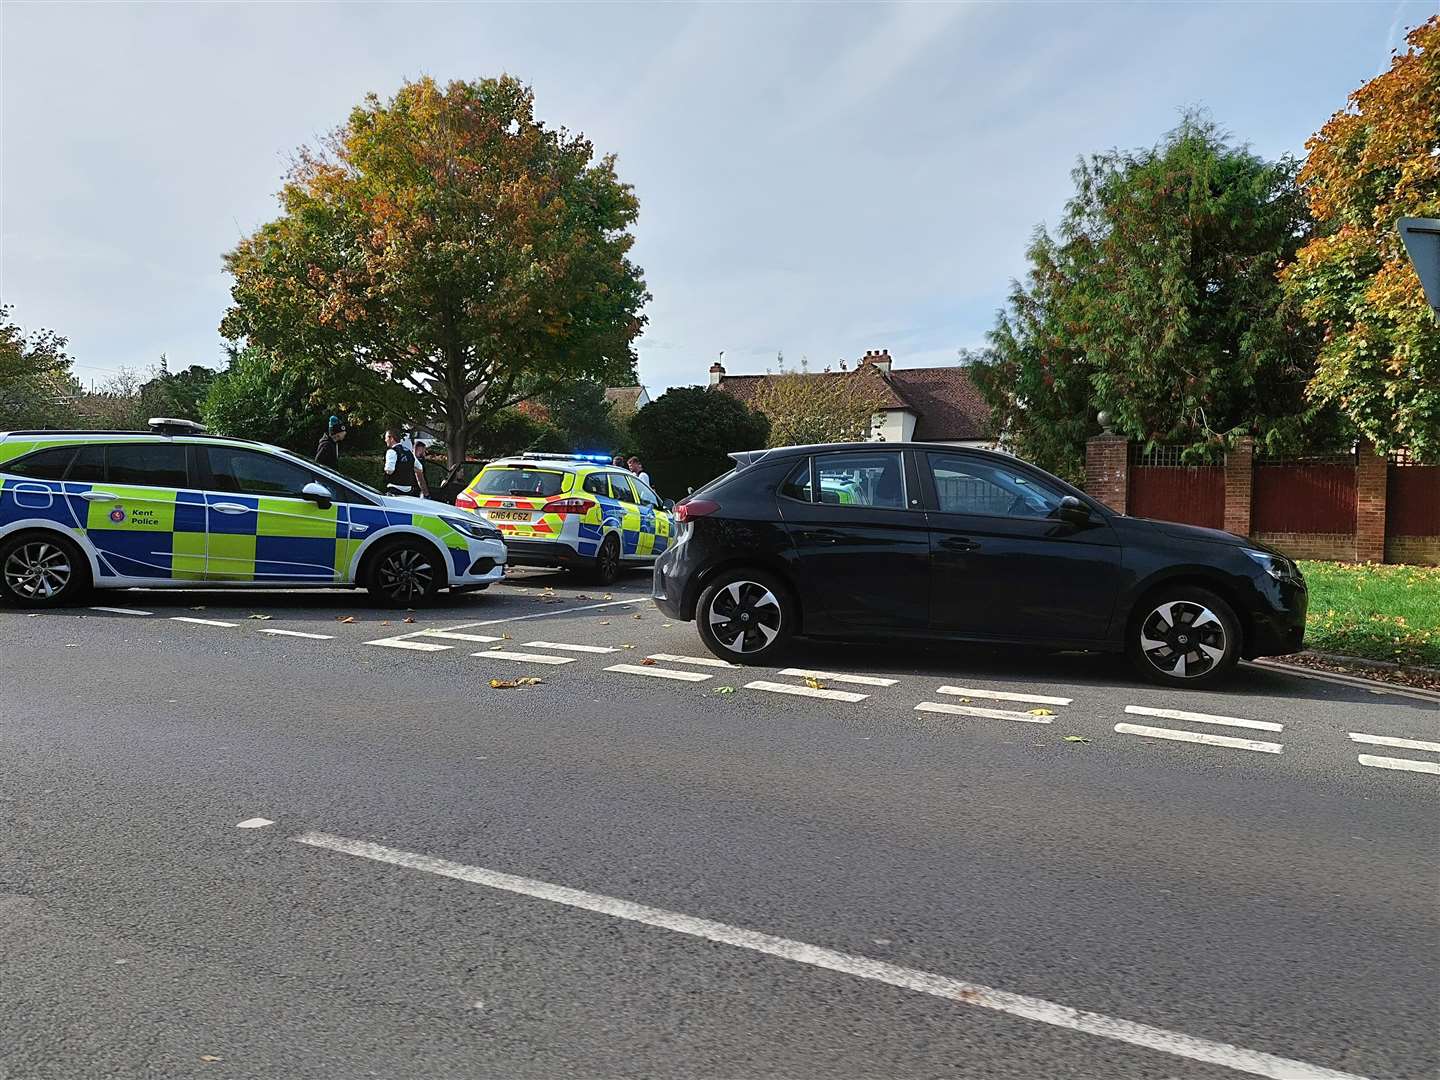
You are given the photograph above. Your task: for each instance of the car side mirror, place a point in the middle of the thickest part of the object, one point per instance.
(1074, 511)
(669, 504)
(319, 494)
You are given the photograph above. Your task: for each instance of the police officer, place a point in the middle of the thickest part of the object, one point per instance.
(399, 466)
(327, 453)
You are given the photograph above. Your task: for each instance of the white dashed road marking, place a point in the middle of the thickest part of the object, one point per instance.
(563, 647)
(122, 611)
(1204, 718)
(1198, 737)
(1399, 744)
(804, 691)
(200, 622)
(408, 643)
(1401, 764)
(450, 635)
(297, 633)
(702, 661)
(975, 710)
(526, 657)
(548, 614)
(862, 680)
(1003, 695)
(659, 673)
(1039, 1010)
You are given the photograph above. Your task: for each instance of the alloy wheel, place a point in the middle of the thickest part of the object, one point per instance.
(405, 574)
(38, 570)
(745, 616)
(1183, 639)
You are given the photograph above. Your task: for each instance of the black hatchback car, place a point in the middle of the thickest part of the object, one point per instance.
(859, 540)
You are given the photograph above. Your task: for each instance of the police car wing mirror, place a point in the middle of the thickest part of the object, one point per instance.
(319, 494)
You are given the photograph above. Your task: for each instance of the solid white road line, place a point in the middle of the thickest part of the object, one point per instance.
(296, 633)
(122, 611)
(407, 643)
(862, 680)
(1204, 718)
(526, 657)
(1198, 737)
(702, 661)
(1039, 1010)
(975, 710)
(563, 647)
(200, 622)
(1403, 764)
(1003, 695)
(548, 614)
(479, 639)
(1399, 744)
(659, 673)
(804, 691)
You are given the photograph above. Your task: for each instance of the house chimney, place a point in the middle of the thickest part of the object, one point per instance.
(879, 357)
(717, 372)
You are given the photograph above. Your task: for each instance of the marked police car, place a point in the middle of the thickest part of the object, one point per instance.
(573, 511)
(175, 506)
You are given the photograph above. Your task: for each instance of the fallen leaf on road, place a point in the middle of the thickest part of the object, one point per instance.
(724, 689)
(666, 625)
(494, 647)
(261, 617)
(814, 684)
(609, 596)
(637, 615)
(409, 618)
(210, 1057)
(72, 645)
(505, 635)
(1076, 738)
(1041, 712)
(627, 646)
(344, 618)
(649, 661)
(384, 622)
(965, 701)
(605, 622)
(581, 596)
(510, 684)
(33, 615)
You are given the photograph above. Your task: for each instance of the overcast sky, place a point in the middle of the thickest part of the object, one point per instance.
(817, 178)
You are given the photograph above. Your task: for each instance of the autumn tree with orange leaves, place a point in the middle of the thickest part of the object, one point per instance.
(1375, 161)
(450, 252)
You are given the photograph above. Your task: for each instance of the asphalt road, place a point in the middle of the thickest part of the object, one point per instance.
(940, 889)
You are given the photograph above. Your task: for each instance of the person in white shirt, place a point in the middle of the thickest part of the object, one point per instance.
(638, 470)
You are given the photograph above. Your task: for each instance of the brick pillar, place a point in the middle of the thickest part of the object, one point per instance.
(1107, 470)
(1239, 484)
(1370, 479)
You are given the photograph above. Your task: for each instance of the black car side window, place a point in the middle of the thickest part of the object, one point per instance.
(965, 485)
(148, 464)
(873, 480)
(44, 465)
(797, 484)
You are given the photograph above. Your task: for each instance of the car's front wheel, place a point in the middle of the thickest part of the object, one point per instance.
(41, 570)
(405, 573)
(746, 617)
(1184, 636)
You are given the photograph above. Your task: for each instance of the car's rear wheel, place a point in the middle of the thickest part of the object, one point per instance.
(746, 616)
(1184, 636)
(405, 573)
(605, 570)
(42, 570)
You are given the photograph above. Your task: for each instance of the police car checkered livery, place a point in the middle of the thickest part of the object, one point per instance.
(177, 507)
(571, 511)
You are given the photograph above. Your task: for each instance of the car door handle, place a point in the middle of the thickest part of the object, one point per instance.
(959, 543)
(230, 508)
(98, 496)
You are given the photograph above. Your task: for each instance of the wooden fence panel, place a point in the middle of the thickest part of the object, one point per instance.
(1194, 495)
(1304, 497)
(1412, 500)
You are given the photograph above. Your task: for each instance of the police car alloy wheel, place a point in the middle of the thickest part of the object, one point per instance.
(607, 561)
(745, 617)
(404, 574)
(40, 571)
(1184, 637)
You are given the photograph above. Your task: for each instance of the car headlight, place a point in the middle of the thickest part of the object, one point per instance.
(473, 528)
(1277, 566)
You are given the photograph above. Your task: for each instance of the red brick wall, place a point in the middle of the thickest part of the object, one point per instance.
(1107, 470)
(1332, 547)
(1239, 485)
(1417, 550)
(1370, 482)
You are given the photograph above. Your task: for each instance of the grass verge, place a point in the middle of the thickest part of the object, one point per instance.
(1373, 611)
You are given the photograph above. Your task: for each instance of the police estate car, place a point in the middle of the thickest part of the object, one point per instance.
(174, 507)
(573, 511)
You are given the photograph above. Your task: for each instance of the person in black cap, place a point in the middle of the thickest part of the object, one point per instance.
(328, 452)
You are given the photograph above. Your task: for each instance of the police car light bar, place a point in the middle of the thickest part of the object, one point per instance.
(540, 456)
(164, 425)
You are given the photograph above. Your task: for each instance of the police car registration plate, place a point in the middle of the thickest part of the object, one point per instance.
(509, 515)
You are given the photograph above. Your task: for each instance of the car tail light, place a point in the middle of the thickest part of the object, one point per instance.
(466, 501)
(567, 506)
(694, 508)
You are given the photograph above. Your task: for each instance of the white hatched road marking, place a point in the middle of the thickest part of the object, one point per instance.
(296, 633)
(804, 691)
(1401, 744)
(659, 673)
(1401, 764)
(862, 680)
(122, 610)
(526, 657)
(407, 643)
(1204, 718)
(563, 647)
(450, 635)
(703, 661)
(1176, 1043)
(201, 622)
(975, 710)
(1198, 737)
(1003, 695)
(547, 614)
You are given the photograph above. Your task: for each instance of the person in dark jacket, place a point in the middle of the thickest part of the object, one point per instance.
(328, 452)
